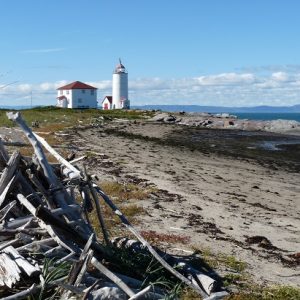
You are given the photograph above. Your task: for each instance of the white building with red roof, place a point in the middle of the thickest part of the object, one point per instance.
(77, 95)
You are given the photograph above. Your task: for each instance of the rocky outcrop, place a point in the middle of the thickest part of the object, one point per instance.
(228, 121)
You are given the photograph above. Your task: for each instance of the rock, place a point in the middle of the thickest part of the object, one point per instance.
(225, 115)
(206, 123)
(159, 117)
(108, 293)
(170, 118)
(281, 125)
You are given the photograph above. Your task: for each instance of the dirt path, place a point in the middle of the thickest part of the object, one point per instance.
(232, 206)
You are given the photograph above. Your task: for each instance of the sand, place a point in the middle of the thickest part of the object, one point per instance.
(224, 198)
(232, 205)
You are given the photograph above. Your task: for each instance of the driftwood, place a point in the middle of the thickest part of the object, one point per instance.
(9, 171)
(118, 281)
(39, 213)
(146, 244)
(72, 171)
(98, 208)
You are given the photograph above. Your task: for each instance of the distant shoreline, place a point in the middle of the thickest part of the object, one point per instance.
(250, 113)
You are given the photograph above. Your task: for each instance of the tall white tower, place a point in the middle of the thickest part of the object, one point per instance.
(120, 87)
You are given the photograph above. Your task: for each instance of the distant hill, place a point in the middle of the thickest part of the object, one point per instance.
(224, 109)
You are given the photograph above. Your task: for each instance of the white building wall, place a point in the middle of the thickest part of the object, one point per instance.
(106, 103)
(68, 95)
(119, 89)
(78, 99)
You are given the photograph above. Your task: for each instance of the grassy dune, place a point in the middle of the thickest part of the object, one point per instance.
(54, 118)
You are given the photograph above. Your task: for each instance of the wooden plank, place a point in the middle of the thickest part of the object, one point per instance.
(43, 225)
(5, 210)
(22, 263)
(118, 281)
(7, 189)
(9, 171)
(9, 271)
(72, 171)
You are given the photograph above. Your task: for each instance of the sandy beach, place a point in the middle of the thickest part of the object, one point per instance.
(220, 190)
(225, 201)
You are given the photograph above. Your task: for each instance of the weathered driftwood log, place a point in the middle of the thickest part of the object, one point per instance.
(4, 157)
(46, 242)
(5, 210)
(118, 281)
(194, 275)
(146, 244)
(86, 199)
(66, 244)
(32, 290)
(22, 263)
(23, 294)
(72, 171)
(79, 239)
(141, 293)
(12, 265)
(28, 231)
(60, 193)
(40, 188)
(98, 208)
(79, 268)
(12, 224)
(8, 174)
(10, 273)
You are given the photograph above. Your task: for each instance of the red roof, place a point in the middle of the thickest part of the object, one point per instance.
(77, 85)
(109, 98)
(61, 97)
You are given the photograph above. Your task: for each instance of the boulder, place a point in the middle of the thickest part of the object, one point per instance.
(170, 119)
(159, 117)
(282, 125)
(108, 293)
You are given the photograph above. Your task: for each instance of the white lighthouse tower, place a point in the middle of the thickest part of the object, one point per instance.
(120, 88)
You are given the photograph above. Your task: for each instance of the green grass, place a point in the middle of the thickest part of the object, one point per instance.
(237, 277)
(279, 292)
(59, 118)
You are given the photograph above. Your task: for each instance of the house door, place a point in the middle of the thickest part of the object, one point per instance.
(105, 106)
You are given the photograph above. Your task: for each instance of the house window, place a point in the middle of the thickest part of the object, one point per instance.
(79, 100)
(61, 92)
(67, 92)
(83, 91)
(92, 92)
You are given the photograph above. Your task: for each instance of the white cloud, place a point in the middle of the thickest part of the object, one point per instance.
(227, 79)
(228, 89)
(280, 76)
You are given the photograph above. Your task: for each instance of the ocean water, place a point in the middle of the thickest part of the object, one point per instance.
(268, 116)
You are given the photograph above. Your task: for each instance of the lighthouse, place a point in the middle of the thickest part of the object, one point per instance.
(120, 87)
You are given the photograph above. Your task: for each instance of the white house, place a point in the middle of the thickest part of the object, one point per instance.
(119, 96)
(77, 95)
(107, 103)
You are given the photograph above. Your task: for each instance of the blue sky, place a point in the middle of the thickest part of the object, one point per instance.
(205, 52)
